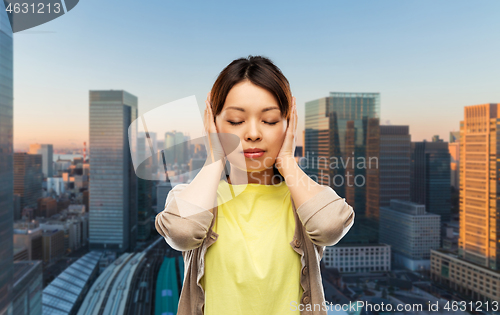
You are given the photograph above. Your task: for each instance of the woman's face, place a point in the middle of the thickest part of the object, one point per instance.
(252, 113)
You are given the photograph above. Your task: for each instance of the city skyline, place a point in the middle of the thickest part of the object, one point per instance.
(391, 81)
(432, 62)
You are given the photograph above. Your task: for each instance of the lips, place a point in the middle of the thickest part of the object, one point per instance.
(255, 150)
(253, 153)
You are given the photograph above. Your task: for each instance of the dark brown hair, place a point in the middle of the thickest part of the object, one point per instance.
(262, 72)
(259, 70)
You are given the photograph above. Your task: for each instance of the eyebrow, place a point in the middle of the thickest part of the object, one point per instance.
(243, 110)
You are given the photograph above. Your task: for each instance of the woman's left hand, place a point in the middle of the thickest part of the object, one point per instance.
(287, 152)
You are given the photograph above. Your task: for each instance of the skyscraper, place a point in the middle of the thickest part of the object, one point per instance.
(113, 182)
(6, 161)
(28, 178)
(46, 150)
(454, 148)
(175, 148)
(479, 185)
(395, 145)
(475, 271)
(430, 177)
(341, 149)
(144, 208)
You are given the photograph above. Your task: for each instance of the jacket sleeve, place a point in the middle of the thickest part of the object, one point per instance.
(326, 217)
(182, 233)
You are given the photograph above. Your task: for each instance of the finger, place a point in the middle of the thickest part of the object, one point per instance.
(210, 118)
(296, 115)
(205, 120)
(296, 118)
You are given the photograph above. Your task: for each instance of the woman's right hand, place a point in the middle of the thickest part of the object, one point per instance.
(215, 151)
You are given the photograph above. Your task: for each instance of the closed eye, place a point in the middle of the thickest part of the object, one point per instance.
(238, 123)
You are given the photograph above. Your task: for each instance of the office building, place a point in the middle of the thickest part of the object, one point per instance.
(479, 240)
(73, 229)
(341, 140)
(47, 151)
(47, 207)
(176, 149)
(55, 185)
(430, 177)
(53, 245)
(411, 232)
(394, 164)
(113, 182)
(6, 160)
(450, 235)
(29, 236)
(454, 149)
(467, 278)
(145, 207)
(147, 152)
(61, 167)
(27, 290)
(20, 253)
(358, 258)
(162, 190)
(28, 178)
(474, 271)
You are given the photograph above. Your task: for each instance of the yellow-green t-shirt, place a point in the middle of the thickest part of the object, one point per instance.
(252, 268)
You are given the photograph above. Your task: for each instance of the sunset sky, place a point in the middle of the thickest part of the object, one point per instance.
(428, 59)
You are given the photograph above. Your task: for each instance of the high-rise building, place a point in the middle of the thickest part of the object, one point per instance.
(53, 245)
(341, 140)
(144, 210)
(176, 150)
(28, 178)
(113, 182)
(454, 148)
(47, 151)
(6, 161)
(29, 235)
(28, 284)
(479, 240)
(394, 164)
(47, 207)
(147, 149)
(430, 177)
(474, 272)
(169, 146)
(411, 231)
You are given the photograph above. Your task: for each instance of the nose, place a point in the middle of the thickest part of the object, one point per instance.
(253, 132)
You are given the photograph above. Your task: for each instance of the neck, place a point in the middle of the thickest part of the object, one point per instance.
(240, 177)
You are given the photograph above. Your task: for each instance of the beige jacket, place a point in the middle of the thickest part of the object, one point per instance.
(321, 221)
